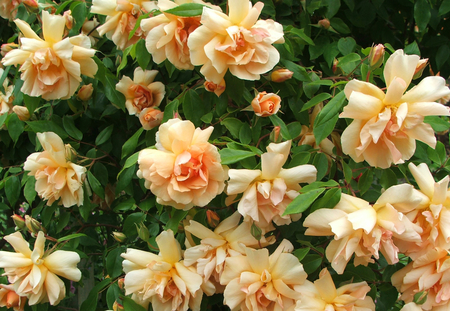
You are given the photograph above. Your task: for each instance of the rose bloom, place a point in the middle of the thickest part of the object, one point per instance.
(184, 170)
(8, 8)
(162, 280)
(217, 89)
(34, 274)
(51, 68)
(121, 19)
(265, 105)
(10, 299)
(432, 215)
(365, 230)
(6, 99)
(167, 34)
(322, 295)
(56, 177)
(228, 239)
(386, 125)
(237, 42)
(428, 273)
(267, 192)
(150, 118)
(141, 92)
(259, 282)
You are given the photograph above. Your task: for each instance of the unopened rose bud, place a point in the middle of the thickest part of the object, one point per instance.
(69, 19)
(31, 3)
(150, 118)
(212, 218)
(71, 154)
(275, 135)
(117, 306)
(119, 236)
(420, 67)
(266, 104)
(376, 56)
(143, 232)
(281, 75)
(22, 112)
(8, 47)
(19, 221)
(85, 92)
(12, 299)
(32, 224)
(218, 89)
(121, 283)
(335, 65)
(324, 23)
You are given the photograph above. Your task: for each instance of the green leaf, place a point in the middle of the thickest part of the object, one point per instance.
(233, 125)
(170, 110)
(300, 72)
(90, 304)
(346, 45)
(365, 181)
(70, 237)
(311, 263)
(28, 191)
(3, 119)
(303, 201)
(327, 117)
(230, 156)
(15, 127)
(187, 10)
(130, 304)
(175, 219)
(422, 14)
(143, 57)
(112, 294)
(104, 135)
(276, 121)
(319, 184)
(95, 185)
(442, 55)
(333, 7)
(131, 143)
(12, 189)
(388, 178)
(32, 103)
(301, 34)
(330, 199)
(315, 100)
(78, 12)
(129, 225)
(348, 173)
(339, 25)
(71, 129)
(300, 253)
(63, 220)
(193, 107)
(42, 126)
(132, 160)
(444, 8)
(114, 262)
(321, 163)
(438, 124)
(124, 179)
(109, 81)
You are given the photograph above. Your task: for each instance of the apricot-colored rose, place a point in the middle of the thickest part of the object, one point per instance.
(56, 177)
(184, 170)
(281, 75)
(8, 8)
(10, 299)
(265, 105)
(150, 118)
(22, 112)
(52, 67)
(141, 92)
(217, 89)
(121, 19)
(238, 42)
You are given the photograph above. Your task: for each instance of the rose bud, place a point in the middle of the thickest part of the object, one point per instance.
(266, 104)
(22, 112)
(420, 67)
(281, 75)
(119, 236)
(376, 56)
(218, 89)
(19, 221)
(8, 47)
(275, 135)
(150, 118)
(69, 19)
(324, 23)
(85, 92)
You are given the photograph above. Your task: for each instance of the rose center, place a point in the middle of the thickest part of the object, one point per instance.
(143, 98)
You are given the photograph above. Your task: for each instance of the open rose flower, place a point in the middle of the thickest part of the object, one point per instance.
(167, 34)
(323, 295)
(34, 274)
(365, 230)
(57, 178)
(265, 105)
(141, 92)
(184, 170)
(238, 42)
(162, 280)
(121, 19)
(386, 125)
(257, 281)
(217, 89)
(52, 67)
(267, 192)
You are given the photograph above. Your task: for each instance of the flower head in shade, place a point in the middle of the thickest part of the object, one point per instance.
(167, 34)
(386, 125)
(57, 178)
(184, 170)
(323, 295)
(141, 92)
(365, 230)
(238, 42)
(258, 281)
(428, 273)
(228, 239)
(267, 192)
(34, 273)
(121, 19)
(51, 67)
(162, 280)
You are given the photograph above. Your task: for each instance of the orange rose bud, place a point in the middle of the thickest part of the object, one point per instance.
(85, 92)
(335, 65)
(69, 19)
(376, 56)
(150, 118)
(281, 75)
(324, 23)
(121, 283)
(266, 104)
(420, 67)
(212, 218)
(218, 89)
(22, 112)
(275, 135)
(117, 306)
(31, 3)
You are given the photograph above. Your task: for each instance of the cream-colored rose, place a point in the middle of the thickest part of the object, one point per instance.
(22, 112)
(217, 89)
(52, 67)
(141, 92)
(121, 19)
(386, 125)
(323, 295)
(265, 105)
(34, 274)
(184, 170)
(56, 177)
(257, 281)
(267, 192)
(150, 118)
(238, 42)
(281, 75)
(162, 280)
(6, 99)
(10, 299)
